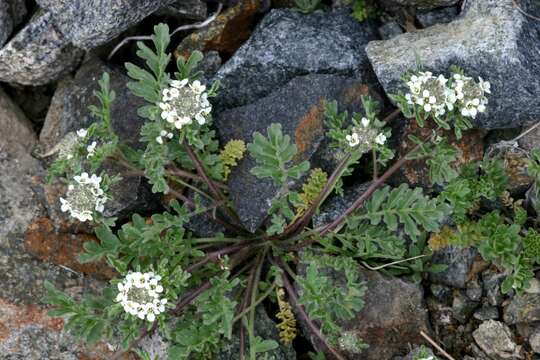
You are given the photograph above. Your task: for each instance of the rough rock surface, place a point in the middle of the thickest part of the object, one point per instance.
(437, 16)
(496, 340)
(6, 22)
(26, 332)
(418, 4)
(459, 262)
(508, 56)
(38, 54)
(69, 112)
(286, 44)
(18, 11)
(523, 309)
(184, 9)
(87, 24)
(392, 317)
(299, 107)
(534, 341)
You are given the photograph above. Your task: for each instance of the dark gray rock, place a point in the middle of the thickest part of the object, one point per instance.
(492, 287)
(523, 308)
(6, 22)
(459, 261)
(418, 4)
(463, 307)
(287, 44)
(389, 30)
(437, 16)
(486, 313)
(184, 10)
(508, 57)
(496, 340)
(336, 205)
(299, 107)
(442, 293)
(18, 11)
(69, 112)
(38, 54)
(474, 290)
(87, 24)
(392, 317)
(530, 140)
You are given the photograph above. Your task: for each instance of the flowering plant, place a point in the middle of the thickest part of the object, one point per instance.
(198, 293)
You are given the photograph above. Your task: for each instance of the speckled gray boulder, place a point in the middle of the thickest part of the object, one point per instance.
(38, 54)
(437, 16)
(286, 44)
(493, 40)
(458, 262)
(299, 108)
(89, 23)
(496, 340)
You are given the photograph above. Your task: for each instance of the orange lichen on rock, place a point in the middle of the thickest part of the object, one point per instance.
(44, 242)
(309, 130)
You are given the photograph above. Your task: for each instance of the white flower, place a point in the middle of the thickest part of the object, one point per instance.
(91, 149)
(181, 105)
(380, 139)
(484, 85)
(84, 197)
(364, 122)
(352, 139)
(82, 133)
(139, 296)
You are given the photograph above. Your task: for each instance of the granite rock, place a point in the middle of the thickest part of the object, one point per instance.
(437, 16)
(508, 56)
(418, 4)
(523, 308)
(6, 22)
(459, 262)
(496, 340)
(87, 24)
(286, 44)
(38, 54)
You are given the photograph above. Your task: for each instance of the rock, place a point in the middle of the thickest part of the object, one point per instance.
(442, 293)
(87, 24)
(508, 57)
(486, 313)
(17, 204)
(230, 29)
(391, 319)
(492, 287)
(523, 308)
(17, 10)
(286, 44)
(437, 16)
(423, 351)
(459, 262)
(62, 248)
(336, 205)
(534, 341)
(418, 4)
(184, 10)
(515, 162)
(6, 22)
(416, 172)
(496, 340)
(463, 307)
(389, 30)
(69, 112)
(474, 290)
(34, 101)
(38, 54)
(531, 140)
(299, 107)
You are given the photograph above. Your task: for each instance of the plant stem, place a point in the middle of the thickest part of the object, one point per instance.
(293, 298)
(194, 188)
(136, 342)
(256, 303)
(186, 300)
(187, 175)
(213, 188)
(218, 253)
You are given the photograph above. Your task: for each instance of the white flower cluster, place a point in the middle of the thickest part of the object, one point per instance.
(164, 134)
(139, 295)
(364, 136)
(84, 197)
(184, 102)
(437, 95)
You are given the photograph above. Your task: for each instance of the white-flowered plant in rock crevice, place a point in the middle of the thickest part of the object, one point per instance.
(140, 295)
(84, 197)
(457, 98)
